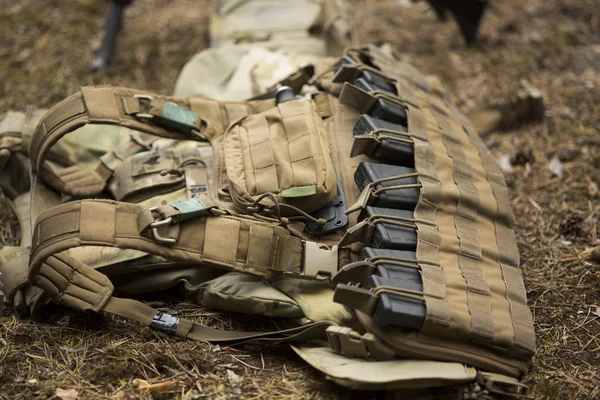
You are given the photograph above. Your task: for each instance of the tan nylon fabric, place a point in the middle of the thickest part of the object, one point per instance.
(508, 255)
(213, 240)
(470, 255)
(466, 251)
(278, 150)
(143, 313)
(466, 248)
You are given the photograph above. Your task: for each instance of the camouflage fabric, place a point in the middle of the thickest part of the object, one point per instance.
(237, 72)
(286, 25)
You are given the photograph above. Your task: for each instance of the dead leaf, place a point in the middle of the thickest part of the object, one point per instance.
(556, 167)
(235, 381)
(152, 387)
(120, 396)
(32, 381)
(69, 349)
(66, 394)
(597, 312)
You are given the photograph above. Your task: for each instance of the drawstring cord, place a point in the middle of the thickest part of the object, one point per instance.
(179, 169)
(300, 214)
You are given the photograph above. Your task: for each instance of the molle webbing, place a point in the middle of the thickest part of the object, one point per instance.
(469, 257)
(508, 254)
(229, 242)
(466, 248)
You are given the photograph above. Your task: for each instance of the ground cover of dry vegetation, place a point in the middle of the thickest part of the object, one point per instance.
(45, 52)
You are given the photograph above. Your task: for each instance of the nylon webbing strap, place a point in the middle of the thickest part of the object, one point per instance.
(225, 241)
(106, 105)
(469, 258)
(79, 286)
(396, 68)
(170, 117)
(166, 323)
(508, 257)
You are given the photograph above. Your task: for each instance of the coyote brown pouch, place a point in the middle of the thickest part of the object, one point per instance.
(281, 152)
(151, 173)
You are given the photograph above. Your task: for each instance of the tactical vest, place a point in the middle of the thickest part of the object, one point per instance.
(372, 191)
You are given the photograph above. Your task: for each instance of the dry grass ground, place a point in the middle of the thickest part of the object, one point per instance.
(45, 53)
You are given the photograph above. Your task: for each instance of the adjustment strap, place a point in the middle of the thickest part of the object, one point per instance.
(173, 325)
(368, 142)
(79, 286)
(369, 193)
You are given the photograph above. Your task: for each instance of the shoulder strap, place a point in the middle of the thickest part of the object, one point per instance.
(235, 243)
(157, 115)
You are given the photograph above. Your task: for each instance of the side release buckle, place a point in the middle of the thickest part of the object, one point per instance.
(501, 384)
(349, 343)
(319, 261)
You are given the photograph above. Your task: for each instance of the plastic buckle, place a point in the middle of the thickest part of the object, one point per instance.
(319, 261)
(502, 384)
(157, 224)
(349, 343)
